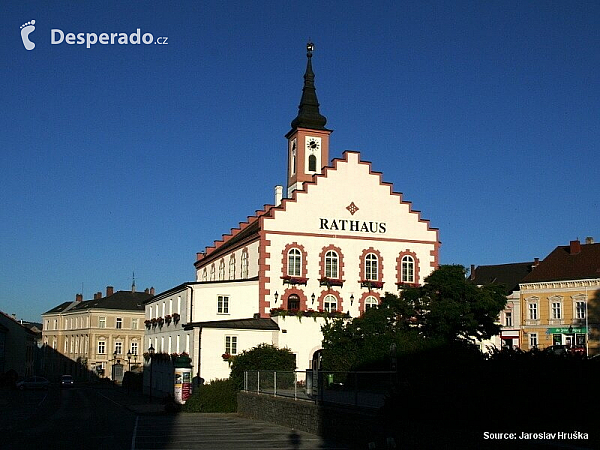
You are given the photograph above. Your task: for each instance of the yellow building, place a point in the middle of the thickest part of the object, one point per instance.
(95, 336)
(560, 299)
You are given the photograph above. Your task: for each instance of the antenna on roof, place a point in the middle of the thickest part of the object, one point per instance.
(133, 283)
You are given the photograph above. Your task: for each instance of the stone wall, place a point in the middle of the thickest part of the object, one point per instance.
(338, 423)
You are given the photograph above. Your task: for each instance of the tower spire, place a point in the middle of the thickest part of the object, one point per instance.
(308, 110)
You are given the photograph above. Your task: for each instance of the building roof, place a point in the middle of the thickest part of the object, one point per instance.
(60, 308)
(308, 110)
(568, 262)
(242, 324)
(120, 300)
(508, 275)
(8, 319)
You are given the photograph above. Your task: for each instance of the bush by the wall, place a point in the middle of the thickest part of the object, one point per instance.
(219, 396)
(264, 357)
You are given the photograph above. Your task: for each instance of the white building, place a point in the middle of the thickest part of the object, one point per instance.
(340, 240)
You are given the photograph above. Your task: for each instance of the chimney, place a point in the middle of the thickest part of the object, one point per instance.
(78, 297)
(536, 262)
(575, 247)
(152, 291)
(472, 274)
(109, 291)
(589, 240)
(146, 291)
(278, 195)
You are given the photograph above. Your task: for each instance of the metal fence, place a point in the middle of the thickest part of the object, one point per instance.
(364, 389)
(279, 383)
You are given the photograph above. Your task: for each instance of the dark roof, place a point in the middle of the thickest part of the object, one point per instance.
(508, 275)
(308, 110)
(120, 300)
(568, 262)
(244, 324)
(59, 308)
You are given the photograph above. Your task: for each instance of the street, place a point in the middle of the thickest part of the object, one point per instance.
(67, 418)
(104, 417)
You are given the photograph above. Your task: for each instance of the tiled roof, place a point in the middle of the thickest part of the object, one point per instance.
(568, 262)
(508, 275)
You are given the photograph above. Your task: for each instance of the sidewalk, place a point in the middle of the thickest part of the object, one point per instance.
(132, 400)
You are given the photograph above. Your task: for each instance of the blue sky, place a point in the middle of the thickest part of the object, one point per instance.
(131, 158)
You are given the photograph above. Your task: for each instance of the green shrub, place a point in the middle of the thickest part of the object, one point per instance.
(264, 357)
(219, 396)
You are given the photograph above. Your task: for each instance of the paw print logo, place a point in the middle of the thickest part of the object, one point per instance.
(26, 30)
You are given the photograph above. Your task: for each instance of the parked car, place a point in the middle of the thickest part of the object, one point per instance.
(33, 383)
(578, 350)
(560, 350)
(66, 381)
(564, 350)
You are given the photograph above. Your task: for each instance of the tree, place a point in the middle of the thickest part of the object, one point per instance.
(262, 357)
(446, 310)
(452, 308)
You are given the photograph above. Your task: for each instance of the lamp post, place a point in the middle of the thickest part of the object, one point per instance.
(129, 359)
(113, 366)
(151, 352)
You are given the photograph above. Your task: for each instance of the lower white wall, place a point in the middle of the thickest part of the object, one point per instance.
(212, 347)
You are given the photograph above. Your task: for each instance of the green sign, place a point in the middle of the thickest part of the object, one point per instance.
(567, 330)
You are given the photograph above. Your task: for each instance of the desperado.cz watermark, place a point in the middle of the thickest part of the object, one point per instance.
(58, 36)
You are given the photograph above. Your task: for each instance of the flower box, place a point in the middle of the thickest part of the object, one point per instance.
(370, 284)
(331, 282)
(294, 280)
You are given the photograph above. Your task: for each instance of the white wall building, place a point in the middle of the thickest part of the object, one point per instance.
(340, 240)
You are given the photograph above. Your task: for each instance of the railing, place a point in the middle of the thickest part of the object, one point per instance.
(367, 389)
(281, 383)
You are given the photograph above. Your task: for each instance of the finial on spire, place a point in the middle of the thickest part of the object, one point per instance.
(309, 48)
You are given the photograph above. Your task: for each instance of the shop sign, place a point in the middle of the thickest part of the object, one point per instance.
(567, 330)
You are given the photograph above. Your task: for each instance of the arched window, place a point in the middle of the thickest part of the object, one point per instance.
(204, 275)
(293, 302)
(212, 273)
(312, 163)
(408, 269)
(293, 158)
(232, 267)
(371, 267)
(294, 263)
(331, 265)
(245, 264)
(330, 303)
(222, 270)
(371, 302)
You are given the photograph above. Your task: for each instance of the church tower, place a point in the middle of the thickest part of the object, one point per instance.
(308, 140)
